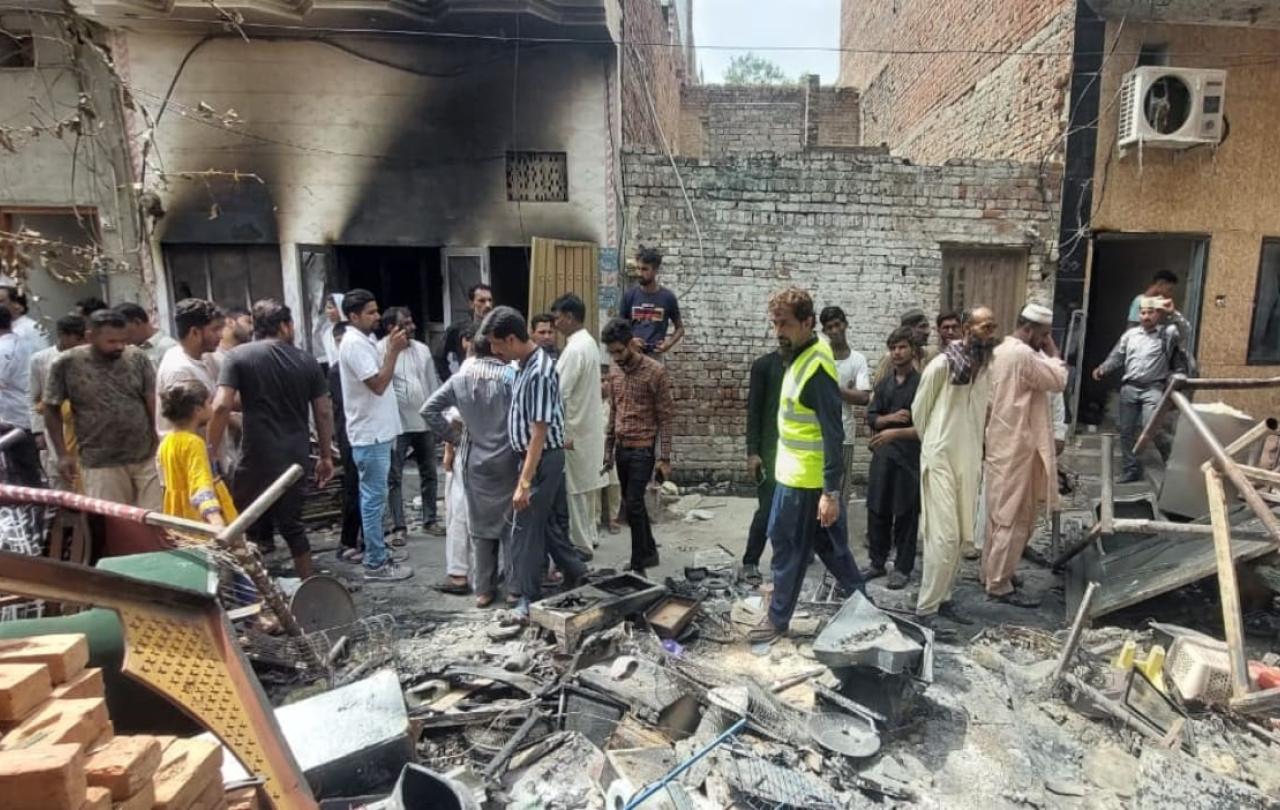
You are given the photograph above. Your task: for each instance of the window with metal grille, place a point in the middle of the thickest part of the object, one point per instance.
(17, 50)
(537, 176)
(1264, 337)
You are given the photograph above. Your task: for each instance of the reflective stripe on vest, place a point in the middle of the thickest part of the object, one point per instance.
(800, 449)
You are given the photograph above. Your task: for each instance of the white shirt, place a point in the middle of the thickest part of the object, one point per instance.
(30, 333)
(175, 367)
(371, 418)
(853, 372)
(156, 347)
(414, 381)
(15, 381)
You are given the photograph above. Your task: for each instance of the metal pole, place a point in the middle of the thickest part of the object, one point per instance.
(1228, 467)
(1228, 383)
(1077, 629)
(684, 766)
(1153, 426)
(1106, 515)
(232, 539)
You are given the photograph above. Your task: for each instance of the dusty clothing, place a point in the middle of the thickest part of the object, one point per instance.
(191, 490)
(950, 418)
(1020, 458)
(110, 399)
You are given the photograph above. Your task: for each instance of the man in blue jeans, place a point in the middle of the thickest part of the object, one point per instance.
(373, 423)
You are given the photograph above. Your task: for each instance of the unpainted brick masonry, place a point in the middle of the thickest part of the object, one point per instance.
(856, 227)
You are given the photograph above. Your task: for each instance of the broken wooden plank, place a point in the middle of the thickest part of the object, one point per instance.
(1266, 701)
(1232, 618)
(1259, 431)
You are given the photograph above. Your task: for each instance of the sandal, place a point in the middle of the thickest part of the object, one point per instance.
(351, 555)
(454, 586)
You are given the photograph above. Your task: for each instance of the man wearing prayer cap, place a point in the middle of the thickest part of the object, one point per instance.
(1021, 465)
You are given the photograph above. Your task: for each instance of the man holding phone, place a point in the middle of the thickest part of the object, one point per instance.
(638, 435)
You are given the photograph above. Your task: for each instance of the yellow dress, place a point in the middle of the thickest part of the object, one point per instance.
(190, 488)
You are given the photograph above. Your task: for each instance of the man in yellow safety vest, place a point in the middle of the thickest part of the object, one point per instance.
(807, 515)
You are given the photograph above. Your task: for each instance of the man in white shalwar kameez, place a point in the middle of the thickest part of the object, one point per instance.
(579, 370)
(1021, 465)
(950, 414)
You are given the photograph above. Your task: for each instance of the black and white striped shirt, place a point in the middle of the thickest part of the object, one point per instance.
(536, 398)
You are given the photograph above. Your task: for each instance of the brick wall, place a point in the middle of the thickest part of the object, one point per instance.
(718, 120)
(650, 71)
(935, 106)
(856, 227)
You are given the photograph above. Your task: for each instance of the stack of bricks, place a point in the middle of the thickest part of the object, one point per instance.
(59, 750)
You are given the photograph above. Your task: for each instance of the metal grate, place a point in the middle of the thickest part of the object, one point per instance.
(1127, 101)
(537, 176)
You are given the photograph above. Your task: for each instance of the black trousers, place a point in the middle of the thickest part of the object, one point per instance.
(758, 534)
(350, 497)
(284, 516)
(423, 447)
(635, 470)
(22, 460)
(542, 529)
(886, 532)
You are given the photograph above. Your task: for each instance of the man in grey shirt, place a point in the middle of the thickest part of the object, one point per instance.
(1144, 352)
(414, 382)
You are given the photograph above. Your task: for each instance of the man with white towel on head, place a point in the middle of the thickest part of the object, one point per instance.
(1021, 466)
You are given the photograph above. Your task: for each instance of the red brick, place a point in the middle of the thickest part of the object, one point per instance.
(23, 687)
(97, 799)
(88, 684)
(186, 769)
(66, 655)
(124, 765)
(46, 778)
(61, 721)
(144, 799)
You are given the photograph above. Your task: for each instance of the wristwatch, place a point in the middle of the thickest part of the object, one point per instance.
(523, 485)
(832, 494)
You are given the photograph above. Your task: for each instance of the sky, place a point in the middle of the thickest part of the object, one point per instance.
(772, 23)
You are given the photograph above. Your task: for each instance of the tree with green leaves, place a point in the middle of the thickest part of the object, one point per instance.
(748, 68)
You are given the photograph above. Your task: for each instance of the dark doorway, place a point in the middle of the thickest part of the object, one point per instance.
(397, 276)
(1123, 266)
(509, 277)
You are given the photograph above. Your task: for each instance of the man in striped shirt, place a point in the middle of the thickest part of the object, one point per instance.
(535, 427)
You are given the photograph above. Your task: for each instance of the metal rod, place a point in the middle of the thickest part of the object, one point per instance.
(1228, 383)
(1108, 512)
(1095, 531)
(684, 766)
(1232, 620)
(1228, 467)
(1077, 630)
(1155, 425)
(495, 768)
(232, 540)
(1143, 526)
(163, 521)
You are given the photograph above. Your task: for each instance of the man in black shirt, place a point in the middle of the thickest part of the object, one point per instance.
(762, 449)
(279, 386)
(893, 490)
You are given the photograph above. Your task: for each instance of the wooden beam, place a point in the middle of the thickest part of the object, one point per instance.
(1108, 511)
(1266, 701)
(1232, 618)
(1259, 474)
(1264, 428)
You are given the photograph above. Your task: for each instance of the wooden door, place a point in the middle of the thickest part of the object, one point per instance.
(560, 267)
(992, 277)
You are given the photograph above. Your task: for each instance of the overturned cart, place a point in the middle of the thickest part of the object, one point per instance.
(1135, 557)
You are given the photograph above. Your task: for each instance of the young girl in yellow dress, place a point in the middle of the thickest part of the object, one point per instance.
(191, 488)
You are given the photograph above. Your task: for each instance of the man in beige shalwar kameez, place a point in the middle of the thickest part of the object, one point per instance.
(1021, 465)
(579, 370)
(949, 414)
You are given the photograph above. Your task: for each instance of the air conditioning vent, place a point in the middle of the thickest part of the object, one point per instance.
(1171, 108)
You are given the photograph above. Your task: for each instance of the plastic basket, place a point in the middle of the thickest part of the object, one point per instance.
(1199, 669)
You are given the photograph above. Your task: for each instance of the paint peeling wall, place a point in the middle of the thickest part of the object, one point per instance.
(373, 141)
(59, 172)
(1230, 193)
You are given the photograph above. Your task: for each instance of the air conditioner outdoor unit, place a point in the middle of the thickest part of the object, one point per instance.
(1171, 108)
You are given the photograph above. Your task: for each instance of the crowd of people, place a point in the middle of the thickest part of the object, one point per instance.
(544, 448)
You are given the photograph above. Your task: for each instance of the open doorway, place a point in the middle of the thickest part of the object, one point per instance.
(1123, 266)
(397, 276)
(509, 277)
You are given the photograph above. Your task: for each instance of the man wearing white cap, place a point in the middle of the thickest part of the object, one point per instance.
(1147, 353)
(1021, 465)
